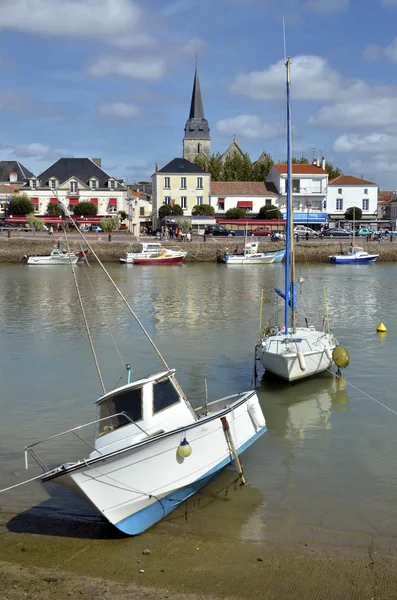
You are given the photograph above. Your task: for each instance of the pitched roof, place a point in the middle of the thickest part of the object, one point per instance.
(300, 169)
(13, 166)
(349, 180)
(81, 168)
(233, 147)
(8, 189)
(182, 165)
(197, 125)
(242, 188)
(385, 197)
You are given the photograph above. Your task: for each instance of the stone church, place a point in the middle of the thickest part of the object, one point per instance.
(197, 138)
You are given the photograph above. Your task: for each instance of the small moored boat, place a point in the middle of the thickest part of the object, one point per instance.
(355, 255)
(57, 257)
(153, 253)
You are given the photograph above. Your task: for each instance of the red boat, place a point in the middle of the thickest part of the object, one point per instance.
(160, 260)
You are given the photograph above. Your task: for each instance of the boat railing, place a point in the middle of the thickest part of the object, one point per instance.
(74, 430)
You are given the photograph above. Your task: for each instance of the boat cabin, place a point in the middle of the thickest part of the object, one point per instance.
(354, 250)
(139, 410)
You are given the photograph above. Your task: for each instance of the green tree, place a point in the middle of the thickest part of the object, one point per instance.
(235, 213)
(203, 209)
(34, 222)
(53, 209)
(20, 204)
(86, 209)
(215, 167)
(354, 213)
(261, 168)
(332, 171)
(109, 224)
(123, 215)
(201, 161)
(184, 224)
(166, 209)
(300, 161)
(269, 212)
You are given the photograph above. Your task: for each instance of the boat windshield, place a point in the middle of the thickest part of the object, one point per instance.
(164, 395)
(128, 401)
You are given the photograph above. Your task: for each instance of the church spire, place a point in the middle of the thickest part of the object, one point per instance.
(197, 132)
(196, 105)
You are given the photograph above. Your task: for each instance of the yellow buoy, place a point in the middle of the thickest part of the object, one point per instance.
(184, 449)
(381, 328)
(340, 357)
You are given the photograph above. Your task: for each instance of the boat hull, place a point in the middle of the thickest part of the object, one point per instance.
(348, 260)
(159, 260)
(309, 354)
(138, 486)
(52, 260)
(255, 259)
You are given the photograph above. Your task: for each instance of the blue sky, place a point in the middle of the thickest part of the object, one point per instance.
(113, 79)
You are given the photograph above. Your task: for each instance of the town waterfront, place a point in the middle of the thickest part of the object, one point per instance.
(324, 473)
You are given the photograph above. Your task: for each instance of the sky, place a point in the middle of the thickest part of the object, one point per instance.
(113, 79)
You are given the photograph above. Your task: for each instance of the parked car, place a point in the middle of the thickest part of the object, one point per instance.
(302, 230)
(5, 225)
(93, 228)
(218, 230)
(261, 231)
(337, 232)
(364, 231)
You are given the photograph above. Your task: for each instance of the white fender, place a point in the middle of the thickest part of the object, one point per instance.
(301, 359)
(256, 413)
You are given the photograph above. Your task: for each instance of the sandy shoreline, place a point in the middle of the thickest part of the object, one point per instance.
(91, 561)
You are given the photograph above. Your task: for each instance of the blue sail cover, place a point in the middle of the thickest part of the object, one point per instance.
(282, 294)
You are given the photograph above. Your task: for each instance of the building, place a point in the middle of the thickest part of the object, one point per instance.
(385, 200)
(179, 182)
(309, 190)
(13, 173)
(347, 191)
(197, 132)
(250, 195)
(75, 180)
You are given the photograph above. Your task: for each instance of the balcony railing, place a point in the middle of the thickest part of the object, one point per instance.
(75, 194)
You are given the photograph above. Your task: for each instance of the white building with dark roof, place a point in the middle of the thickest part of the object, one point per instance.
(75, 180)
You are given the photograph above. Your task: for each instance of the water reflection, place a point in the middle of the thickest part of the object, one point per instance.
(295, 412)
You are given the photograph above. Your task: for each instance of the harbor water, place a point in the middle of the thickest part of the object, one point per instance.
(326, 466)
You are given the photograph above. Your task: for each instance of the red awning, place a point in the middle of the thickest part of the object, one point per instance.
(35, 200)
(221, 200)
(73, 201)
(113, 202)
(94, 201)
(244, 204)
(53, 200)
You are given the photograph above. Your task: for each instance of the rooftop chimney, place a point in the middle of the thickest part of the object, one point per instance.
(13, 177)
(98, 162)
(323, 163)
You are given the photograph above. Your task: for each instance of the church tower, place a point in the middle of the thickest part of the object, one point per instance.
(197, 132)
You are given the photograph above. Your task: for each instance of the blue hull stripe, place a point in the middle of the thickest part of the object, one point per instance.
(145, 518)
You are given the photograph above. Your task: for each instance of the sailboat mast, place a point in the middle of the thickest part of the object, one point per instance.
(290, 286)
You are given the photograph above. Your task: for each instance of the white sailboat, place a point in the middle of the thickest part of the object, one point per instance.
(251, 255)
(152, 450)
(293, 352)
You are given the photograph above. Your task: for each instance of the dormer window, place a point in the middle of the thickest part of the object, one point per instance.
(53, 184)
(33, 184)
(112, 184)
(73, 187)
(94, 184)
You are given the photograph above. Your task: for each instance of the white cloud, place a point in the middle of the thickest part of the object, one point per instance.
(118, 22)
(389, 2)
(312, 79)
(38, 151)
(327, 6)
(151, 68)
(369, 112)
(366, 144)
(247, 126)
(177, 7)
(374, 52)
(120, 110)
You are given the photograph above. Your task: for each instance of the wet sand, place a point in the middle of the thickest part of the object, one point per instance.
(215, 550)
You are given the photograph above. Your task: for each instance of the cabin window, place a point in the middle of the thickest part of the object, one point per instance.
(164, 395)
(128, 401)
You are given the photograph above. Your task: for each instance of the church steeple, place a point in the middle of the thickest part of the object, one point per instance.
(197, 132)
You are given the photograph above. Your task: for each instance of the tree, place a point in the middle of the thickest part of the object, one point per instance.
(332, 171)
(184, 224)
(53, 209)
(123, 215)
(109, 224)
(269, 212)
(86, 209)
(34, 222)
(235, 213)
(166, 209)
(20, 204)
(203, 209)
(261, 168)
(353, 213)
(300, 161)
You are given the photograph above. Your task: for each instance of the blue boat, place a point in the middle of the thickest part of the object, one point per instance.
(356, 255)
